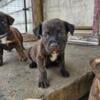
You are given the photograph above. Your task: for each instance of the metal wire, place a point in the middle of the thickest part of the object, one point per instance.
(20, 10)
(6, 3)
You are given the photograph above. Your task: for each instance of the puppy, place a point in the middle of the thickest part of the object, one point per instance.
(5, 22)
(12, 37)
(53, 36)
(95, 89)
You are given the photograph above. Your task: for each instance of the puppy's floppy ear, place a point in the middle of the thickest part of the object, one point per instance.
(10, 19)
(38, 30)
(69, 28)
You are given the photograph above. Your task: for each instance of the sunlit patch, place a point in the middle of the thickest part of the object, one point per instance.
(54, 56)
(32, 99)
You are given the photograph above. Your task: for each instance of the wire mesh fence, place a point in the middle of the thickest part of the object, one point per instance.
(21, 10)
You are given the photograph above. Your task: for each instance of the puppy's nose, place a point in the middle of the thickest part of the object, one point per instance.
(54, 46)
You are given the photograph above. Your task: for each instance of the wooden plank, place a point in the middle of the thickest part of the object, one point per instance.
(83, 27)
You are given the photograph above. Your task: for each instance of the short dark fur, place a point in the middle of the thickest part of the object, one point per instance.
(53, 36)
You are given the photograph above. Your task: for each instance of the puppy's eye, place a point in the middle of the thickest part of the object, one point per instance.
(3, 22)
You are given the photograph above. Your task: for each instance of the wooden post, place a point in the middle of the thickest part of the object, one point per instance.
(37, 12)
(96, 20)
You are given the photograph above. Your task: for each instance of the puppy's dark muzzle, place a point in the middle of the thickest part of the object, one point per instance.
(54, 47)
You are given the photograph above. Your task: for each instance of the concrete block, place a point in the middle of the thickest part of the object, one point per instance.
(19, 82)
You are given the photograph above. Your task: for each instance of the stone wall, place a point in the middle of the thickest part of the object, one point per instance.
(78, 12)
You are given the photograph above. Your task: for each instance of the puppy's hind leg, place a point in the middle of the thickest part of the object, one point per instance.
(33, 63)
(22, 55)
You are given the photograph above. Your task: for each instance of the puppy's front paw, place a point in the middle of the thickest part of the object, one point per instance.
(43, 83)
(33, 65)
(64, 73)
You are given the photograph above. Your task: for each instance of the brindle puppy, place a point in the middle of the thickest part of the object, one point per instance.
(53, 36)
(5, 22)
(13, 38)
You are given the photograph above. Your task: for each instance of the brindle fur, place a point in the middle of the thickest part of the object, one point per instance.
(53, 36)
(13, 35)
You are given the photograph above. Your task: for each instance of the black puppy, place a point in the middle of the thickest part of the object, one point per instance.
(53, 36)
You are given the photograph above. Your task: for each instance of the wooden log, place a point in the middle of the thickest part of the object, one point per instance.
(83, 27)
(37, 12)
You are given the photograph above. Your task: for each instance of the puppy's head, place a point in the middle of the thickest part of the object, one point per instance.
(5, 22)
(95, 65)
(54, 34)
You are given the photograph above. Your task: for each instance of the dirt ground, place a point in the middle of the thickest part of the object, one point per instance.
(19, 82)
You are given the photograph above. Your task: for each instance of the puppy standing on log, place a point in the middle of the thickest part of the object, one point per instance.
(53, 36)
(13, 37)
(95, 89)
